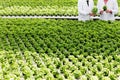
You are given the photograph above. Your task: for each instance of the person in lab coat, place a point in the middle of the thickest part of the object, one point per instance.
(85, 9)
(111, 9)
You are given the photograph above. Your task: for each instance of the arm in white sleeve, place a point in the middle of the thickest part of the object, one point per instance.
(81, 8)
(115, 10)
(99, 6)
(92, 6)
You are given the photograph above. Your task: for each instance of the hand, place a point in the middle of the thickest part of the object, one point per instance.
(101, 12)
(91, 14)
(108, 11)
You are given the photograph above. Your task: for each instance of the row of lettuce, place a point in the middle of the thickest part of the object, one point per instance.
(35, 49)
(34, 3)
(40, 8)
(64, 35)
(38, 11)
(33, 66)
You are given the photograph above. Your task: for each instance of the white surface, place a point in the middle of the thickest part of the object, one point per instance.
(53, 17)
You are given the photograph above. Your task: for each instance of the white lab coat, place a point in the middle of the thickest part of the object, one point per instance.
(84, 9)
(111, 5)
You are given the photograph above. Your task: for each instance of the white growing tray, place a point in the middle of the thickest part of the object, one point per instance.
(53, 17)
